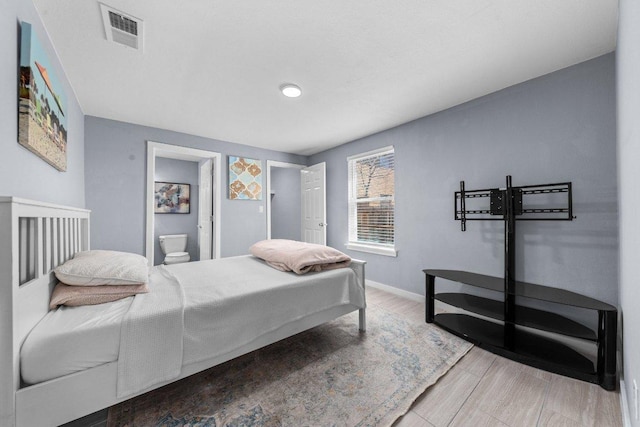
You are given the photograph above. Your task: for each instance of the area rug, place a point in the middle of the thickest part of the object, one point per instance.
(332, 375)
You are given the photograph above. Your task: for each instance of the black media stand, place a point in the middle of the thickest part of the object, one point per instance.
(502, 336)
(531, 349)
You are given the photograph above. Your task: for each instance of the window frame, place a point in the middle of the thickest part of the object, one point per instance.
(352, 242)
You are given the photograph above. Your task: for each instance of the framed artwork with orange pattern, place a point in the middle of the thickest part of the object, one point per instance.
(245, 178)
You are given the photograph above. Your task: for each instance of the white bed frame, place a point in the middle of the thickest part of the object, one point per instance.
(35, 237)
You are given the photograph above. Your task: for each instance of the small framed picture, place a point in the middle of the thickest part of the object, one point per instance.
(172, 198)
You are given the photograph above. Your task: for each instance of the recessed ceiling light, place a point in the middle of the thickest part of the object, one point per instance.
(290, 90)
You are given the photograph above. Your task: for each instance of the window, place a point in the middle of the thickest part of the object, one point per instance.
(371, 202)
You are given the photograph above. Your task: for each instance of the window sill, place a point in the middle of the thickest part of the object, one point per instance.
(372, 249)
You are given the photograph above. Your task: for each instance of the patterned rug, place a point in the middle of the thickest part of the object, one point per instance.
(331, 375)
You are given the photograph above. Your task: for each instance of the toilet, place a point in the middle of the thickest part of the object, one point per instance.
(174, 246)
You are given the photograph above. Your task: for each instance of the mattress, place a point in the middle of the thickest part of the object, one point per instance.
(227, 303)
(71, 339)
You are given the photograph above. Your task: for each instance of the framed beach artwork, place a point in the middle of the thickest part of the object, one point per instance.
(245, 178)
(42, 120)
(171, 198)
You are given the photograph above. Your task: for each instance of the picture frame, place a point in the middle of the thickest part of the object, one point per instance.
(245, 178)
(42, 115)
(172, 198)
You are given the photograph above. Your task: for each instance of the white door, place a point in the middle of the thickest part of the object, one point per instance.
(205, 209)
(314, 200)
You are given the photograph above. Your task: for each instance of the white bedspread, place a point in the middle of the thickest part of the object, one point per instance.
(151, 335)
(71, 339)
(232, 301)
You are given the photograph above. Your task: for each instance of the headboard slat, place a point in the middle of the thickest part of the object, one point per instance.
(31, 249)
(22, 268)
(67, 240)
(39, 247)
(46, 245)
(54, 241)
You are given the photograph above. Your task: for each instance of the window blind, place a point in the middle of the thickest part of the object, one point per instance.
(371, 198)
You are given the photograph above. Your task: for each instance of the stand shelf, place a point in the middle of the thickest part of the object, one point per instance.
(525, 316)
(528, 348)
(534, 350)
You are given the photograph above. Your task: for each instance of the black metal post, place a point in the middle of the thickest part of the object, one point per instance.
(429, 306)
(607, 331)
(463, 208)
(509, 267)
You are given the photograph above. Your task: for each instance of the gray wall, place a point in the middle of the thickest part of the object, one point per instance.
(628, 73)
(286, 204)
(24, 174)
(560, 127)
(115, 159)
(179, 172)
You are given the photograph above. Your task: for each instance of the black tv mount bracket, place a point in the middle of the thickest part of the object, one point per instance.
(507, 203)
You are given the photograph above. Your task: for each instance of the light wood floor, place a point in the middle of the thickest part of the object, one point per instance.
(488, 390)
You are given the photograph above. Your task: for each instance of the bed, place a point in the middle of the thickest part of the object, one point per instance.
(58, 387)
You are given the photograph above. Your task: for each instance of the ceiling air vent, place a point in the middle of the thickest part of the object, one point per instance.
(122, 28)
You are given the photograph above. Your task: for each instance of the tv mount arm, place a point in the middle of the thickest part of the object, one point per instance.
(509, 202)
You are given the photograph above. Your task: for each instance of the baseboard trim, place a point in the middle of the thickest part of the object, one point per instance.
(624, 406)
(396, 291)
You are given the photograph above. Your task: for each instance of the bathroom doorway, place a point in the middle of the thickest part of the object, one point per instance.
(206, 198)
(184, 173)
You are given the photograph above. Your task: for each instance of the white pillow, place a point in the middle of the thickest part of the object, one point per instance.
(99, 267)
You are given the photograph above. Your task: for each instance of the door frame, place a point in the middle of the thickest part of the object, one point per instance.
(276, 164)
(158, 149)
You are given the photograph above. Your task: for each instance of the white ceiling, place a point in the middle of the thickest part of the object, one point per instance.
(213, 67)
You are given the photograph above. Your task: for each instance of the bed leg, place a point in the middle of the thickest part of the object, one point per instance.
(363, 320)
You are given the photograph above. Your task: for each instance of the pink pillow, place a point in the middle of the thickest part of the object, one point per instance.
(91, 295)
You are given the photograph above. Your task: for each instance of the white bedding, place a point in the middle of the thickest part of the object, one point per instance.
(71, 339)
(227, 303)
(247, 299)
(151, 335)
